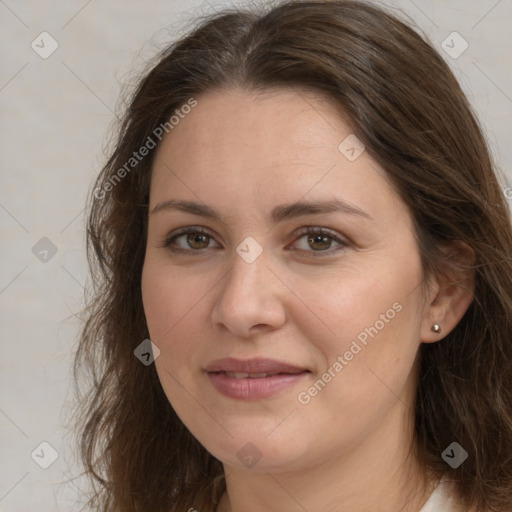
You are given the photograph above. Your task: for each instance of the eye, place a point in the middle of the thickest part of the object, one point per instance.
(196, 239)
(320, 240)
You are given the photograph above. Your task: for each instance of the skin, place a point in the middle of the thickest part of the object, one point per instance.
(349, 447)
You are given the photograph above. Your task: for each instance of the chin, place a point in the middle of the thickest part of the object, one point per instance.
(258, 452)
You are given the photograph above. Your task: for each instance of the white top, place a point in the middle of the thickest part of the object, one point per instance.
(442, 500)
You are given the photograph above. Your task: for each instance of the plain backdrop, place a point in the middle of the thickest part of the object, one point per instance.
(56, 114)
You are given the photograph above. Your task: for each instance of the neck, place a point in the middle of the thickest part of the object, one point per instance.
(381, 474)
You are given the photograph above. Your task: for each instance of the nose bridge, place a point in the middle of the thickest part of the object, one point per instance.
(248, 293)
(248, 271)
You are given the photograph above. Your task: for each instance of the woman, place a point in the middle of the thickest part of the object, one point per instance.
(301, 214)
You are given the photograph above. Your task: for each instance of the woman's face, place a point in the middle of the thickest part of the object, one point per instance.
(279, 348)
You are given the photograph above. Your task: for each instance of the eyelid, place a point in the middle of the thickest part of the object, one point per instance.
(185, 231)
(342, 242)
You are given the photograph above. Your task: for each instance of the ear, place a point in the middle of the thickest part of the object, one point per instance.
(451, 294)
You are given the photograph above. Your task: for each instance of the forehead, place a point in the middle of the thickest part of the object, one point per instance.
(237, 119)
(239, 147)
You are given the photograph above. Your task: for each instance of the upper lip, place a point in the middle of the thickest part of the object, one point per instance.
(256, 365)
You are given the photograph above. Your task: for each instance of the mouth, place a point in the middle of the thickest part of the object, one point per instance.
(255, 366)
(253, 379)
(246, 375)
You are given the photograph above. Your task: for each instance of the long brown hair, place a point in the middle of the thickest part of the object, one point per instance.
(404, 103)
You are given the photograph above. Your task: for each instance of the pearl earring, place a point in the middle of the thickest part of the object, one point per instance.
(436, 328)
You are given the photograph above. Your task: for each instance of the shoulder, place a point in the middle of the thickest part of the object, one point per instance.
(443, 499)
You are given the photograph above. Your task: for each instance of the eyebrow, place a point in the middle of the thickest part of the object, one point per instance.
(278, 214)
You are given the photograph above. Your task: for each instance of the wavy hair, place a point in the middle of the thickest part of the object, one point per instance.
(404, 103)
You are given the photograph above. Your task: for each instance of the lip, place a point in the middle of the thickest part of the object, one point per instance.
(255, 365)
(284, 376)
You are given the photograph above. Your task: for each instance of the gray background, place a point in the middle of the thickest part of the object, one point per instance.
(56, 114)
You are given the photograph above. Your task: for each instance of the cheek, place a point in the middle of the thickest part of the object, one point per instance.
(174, 310)
(170, 307)
(366, 328)
(367, 366)
(169, 300)
(338, 309)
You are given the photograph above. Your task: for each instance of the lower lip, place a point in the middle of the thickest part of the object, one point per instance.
(254, 389)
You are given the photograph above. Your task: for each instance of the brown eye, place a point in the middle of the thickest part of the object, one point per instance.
(319, 240)
(198, 240)
(314, 240)
(188, 240)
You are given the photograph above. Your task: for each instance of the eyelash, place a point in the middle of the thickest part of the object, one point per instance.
(306, 231)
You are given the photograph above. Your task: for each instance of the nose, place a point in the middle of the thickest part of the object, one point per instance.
(249, 298)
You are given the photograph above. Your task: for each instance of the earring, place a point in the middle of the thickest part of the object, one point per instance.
(436, 328)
